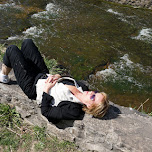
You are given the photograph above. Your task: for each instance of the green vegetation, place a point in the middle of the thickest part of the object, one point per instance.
(1, 51)
(15, 135)
(52, 65)
(150, 114)
(141, 108)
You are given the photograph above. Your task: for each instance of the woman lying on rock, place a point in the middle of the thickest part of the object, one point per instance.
(60, 97)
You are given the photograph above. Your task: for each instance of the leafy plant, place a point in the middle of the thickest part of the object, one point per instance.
(9, 116)
(39, 133)
(10, 121)
(52, 65)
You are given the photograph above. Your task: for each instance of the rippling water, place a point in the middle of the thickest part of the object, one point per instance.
(107, 45)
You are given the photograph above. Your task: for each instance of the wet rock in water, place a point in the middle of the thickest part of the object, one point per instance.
(135, 3)
(122, 129)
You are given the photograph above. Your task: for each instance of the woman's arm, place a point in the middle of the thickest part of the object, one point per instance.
(47, 110)
(66, 110)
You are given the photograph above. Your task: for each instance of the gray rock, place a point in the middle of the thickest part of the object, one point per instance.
(121, 130)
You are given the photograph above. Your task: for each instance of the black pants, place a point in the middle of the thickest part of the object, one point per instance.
(27, 63)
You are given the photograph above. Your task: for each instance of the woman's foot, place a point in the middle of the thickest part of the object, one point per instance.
(4, 74)
(4, 78)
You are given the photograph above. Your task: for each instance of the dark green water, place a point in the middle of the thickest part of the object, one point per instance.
(108, 45)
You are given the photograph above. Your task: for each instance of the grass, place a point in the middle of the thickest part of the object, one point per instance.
(15, 135)
(53, 67)
(2, 48)
(141, 108)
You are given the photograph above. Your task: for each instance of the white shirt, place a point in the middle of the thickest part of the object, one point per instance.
(59, 92)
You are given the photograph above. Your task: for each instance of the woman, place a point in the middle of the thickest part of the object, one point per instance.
(60, 97)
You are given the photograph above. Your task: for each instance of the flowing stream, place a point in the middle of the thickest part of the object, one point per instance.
(109, 45)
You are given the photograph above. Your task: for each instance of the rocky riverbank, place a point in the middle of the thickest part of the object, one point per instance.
(121, 130)
(134, 3)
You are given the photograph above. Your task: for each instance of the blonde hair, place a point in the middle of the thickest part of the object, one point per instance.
(99, 110)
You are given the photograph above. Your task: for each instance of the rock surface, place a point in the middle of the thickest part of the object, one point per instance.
(135, 3)
(121, 130)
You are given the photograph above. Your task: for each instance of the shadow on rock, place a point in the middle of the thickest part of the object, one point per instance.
(12, 82)
(67, 123)
(112, 113)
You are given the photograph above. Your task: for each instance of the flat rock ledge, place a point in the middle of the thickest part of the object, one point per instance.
(121, 130)
(135, 3)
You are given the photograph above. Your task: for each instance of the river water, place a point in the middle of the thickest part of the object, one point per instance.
(106, 44)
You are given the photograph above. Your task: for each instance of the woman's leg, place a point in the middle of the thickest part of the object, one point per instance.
(23, 71)
(32, 55)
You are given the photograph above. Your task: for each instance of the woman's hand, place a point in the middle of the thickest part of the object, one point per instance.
(50, 82)
(57, 76)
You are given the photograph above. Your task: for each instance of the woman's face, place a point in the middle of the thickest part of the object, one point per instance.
(90, 98)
